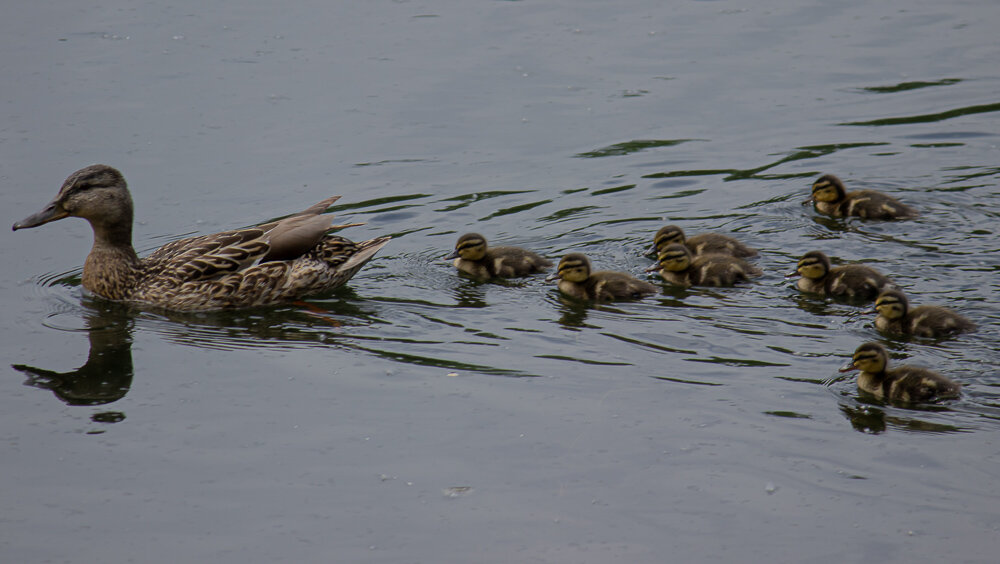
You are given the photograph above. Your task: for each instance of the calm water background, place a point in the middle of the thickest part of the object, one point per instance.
(418, 416)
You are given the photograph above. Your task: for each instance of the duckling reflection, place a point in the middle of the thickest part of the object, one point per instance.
(474, 257)
(831, 198)
(872, 420)
(701, 244)
(905, 384)
(850, 281)
(896, 317)
(106, 376)
(677, 266)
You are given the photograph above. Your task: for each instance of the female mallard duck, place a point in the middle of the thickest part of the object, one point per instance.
(904, 383)
(830, 197)
(267, 264)
(896, 317)
(577, 281)
(701, 244)
(852, 280)
(677, 266)
(473, 257)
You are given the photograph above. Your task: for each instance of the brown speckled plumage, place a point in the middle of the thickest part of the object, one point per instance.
(267, 264)
(831, 198)
(906, 384)
(677, 266)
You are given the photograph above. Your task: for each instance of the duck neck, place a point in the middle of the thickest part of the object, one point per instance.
(112, 267)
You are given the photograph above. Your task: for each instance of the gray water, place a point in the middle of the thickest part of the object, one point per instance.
(419, 416)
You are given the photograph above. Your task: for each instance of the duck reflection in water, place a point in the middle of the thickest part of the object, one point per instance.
(107, 375)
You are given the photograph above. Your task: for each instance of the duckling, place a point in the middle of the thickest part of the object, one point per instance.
(852, 280)
(701, 244)
(896, 317)
(677, 266)
(904, 383)
(577, 281)
(473, 257)
(830, 197)
(270, 263)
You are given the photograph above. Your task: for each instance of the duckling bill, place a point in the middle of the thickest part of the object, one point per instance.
(676, 265)
(577, 281)
(701, 244)
(817, 276)
(474, 257)
(896, 317)
(267, 264)
(831, 198)
(907, 384)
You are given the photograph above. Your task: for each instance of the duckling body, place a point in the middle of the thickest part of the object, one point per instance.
(896, 317)
(577, 281)
(267, 264)
(474, 257)
(677, 266)
(701, 244)
(831, 198)
(851, 281)
(905, 383)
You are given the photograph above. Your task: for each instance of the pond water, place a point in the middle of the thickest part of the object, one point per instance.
(416, 415)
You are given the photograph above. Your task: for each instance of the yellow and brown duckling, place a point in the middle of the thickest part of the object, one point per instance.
(473, 257)
(267, 264)
(905, 383)
(896, 317)
(850, 281)
(701, 244)
(677, 266)
(830, 197)
(577, 281)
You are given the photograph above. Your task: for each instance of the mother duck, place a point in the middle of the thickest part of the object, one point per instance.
(266, 264)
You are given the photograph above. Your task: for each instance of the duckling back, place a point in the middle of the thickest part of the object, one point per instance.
(605, 285)
(720, 270)
(511, 262)
(855, 281)
(717, 244)
(911, 384)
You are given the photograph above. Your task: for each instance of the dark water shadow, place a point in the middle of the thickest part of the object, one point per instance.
(106, 376)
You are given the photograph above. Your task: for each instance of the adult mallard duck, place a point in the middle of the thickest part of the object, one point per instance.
(267, 264)
(904, 383)
(676, 265)
(896, 317)
(830, 197)
(701, 244)
(851, 281)
(577, 281)
(473, 257)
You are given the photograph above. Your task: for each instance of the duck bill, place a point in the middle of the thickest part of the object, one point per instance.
(808, 201)
(848, 368)
(792, 274)
(654, 268)
(453, 255)
(51, 212)
(552, 277)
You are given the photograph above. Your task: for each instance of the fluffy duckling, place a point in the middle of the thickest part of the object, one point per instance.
(677, 266)
(904, 383)
(896, 317)
(472, 256)
(701, 244)
(852, 280)
(577, 281)
(830, 197)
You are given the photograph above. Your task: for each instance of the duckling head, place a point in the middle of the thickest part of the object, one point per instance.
(574, 267)
(814, 265)
(870, 358)
(471, 246)
(97, 193)
(674, 258)
(892, 304)
(667, 235)
(827, 188)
